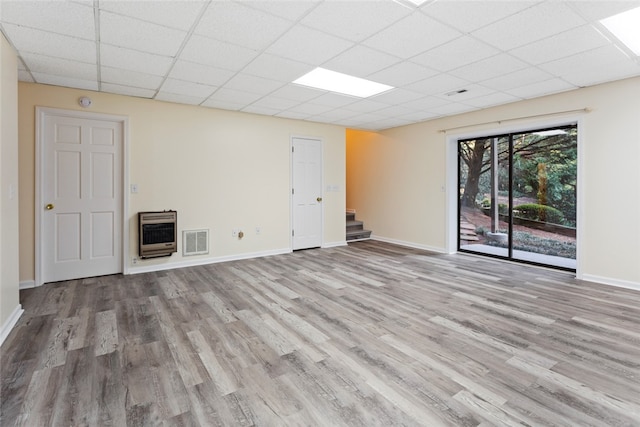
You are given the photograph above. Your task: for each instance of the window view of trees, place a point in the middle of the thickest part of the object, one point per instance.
(518, 192)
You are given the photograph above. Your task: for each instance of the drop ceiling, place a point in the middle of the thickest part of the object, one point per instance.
(244, 55)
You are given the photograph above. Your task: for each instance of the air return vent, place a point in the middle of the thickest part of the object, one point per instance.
(195, 242)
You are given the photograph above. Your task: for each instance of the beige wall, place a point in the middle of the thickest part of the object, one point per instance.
(219, 169)
(9, 300)
(396, 178)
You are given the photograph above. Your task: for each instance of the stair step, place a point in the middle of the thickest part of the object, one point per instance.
(358, 235)
(351, 216)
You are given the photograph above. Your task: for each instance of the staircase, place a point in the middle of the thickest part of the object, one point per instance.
(355, 229)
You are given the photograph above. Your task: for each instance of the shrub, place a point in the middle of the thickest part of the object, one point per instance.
(539, 213)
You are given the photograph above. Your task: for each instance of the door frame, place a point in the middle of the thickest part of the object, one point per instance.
(41, 114)
(452, 193)
(291, 207)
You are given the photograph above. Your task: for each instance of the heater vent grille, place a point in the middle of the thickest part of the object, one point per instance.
(195, 242)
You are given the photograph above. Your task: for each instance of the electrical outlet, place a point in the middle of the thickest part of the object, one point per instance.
(234, 232)
(134, 260)
(258, 231)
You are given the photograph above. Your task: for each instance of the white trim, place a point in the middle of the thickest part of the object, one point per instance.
(206, 261)
(10, 323)
(409, 244)
(41, 113)
(350, 211)
(451, 148)
(27, 284)
(626, 284)
(334, 244)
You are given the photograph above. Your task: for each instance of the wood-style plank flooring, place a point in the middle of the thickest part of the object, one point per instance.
(366, 335)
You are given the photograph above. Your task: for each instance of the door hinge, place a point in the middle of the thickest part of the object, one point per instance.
(293, 191)
(293, 233)
(293, 149)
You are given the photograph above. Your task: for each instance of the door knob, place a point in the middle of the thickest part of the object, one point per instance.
(319, 199)
(49, 207)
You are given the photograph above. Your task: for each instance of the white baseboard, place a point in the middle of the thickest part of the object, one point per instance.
(27, 284)
(627, 284)
(204, 261)
(351, 211)
(409, 244)
(334, 244)
(10, 323)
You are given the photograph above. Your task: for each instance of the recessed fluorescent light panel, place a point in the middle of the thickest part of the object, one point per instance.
(345, 84)
(626, 27)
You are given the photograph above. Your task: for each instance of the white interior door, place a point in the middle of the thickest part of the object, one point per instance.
(81, 195)
(307, 193)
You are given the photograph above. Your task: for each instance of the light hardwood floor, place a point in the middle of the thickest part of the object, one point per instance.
(366, 335)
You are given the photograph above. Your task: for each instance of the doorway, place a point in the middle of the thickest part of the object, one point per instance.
(306, 193)
(517, 196)
(79, 194)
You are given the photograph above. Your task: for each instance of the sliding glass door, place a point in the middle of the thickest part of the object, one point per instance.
(518, 196)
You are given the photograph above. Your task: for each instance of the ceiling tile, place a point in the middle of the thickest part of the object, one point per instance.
(174, 14)
(118, 76)
(361, 61)
(224, 105)
(590, 59)
(60, 67)
(309, 109)
(233, 96)
(206, 51)
(292, 115)
(471, 91)
(291, 10)
(134, 34)
(489, 68)
(525, 27)
(541, 88)
(336, 114)
(596, 10)
(426, 103)
(452, 108)
(71, 19)
(309, 46)
(179, 98)
(565, 44)
(297, 93)
(28, 40)
(516, 79)
(50, 79)
(412, 35)
(396, 96)
(354, 20)
(276, 68)
(402, 74)
(275, 103)
(496, 98)
(198, 73)
(457, 53)
(117, 57)
(263, 111)
(127, 90)
(181, 87)
(335, 100)
(468, 16)
(244, 26)
(365, 106)
(438, 85)
(603, 73)
(253, 84)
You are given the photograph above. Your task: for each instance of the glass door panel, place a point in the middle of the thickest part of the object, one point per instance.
(544, 194)
(518, 196)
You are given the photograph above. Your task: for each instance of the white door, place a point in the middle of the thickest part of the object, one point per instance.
(307, 193)
(81, 195)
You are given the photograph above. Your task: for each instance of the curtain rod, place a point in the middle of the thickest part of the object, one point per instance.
(580, 110)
